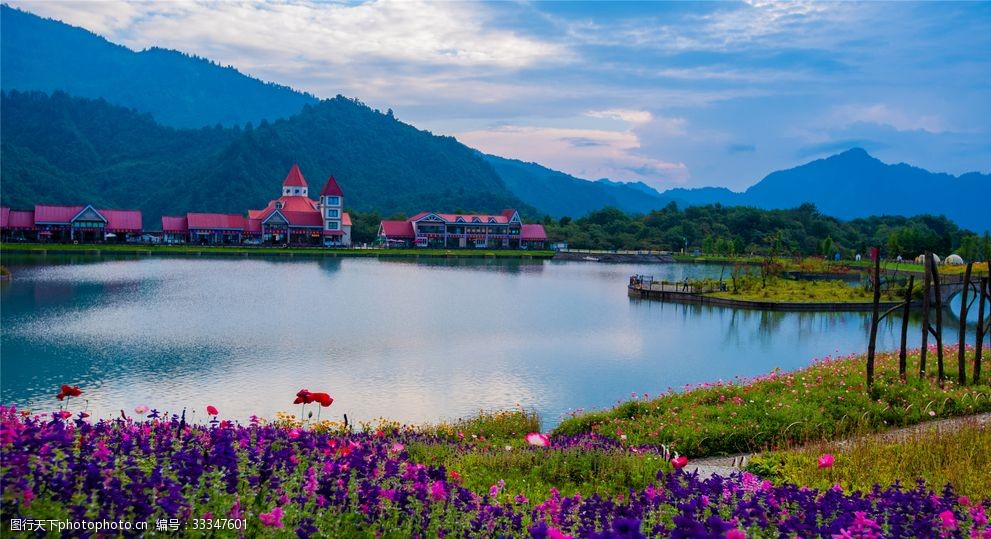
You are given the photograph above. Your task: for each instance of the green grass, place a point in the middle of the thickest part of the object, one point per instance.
(269, 251)
(794, 291)
(491, 447)
(825, 401)
(959, 457)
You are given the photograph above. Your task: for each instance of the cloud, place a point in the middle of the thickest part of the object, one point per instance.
(882, 114)
(629, 116)
(585, 153)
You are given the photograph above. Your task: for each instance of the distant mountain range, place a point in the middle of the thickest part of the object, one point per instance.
(177, 89)
(57, 148)
(847, 185)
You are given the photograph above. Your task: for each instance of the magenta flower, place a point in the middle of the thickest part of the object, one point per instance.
(273, 519)
(679, 462)
(437, 491)
(554, 533)
(736, 533)
(537, 439)
(947, 520)
(826, 461)
(212, 410)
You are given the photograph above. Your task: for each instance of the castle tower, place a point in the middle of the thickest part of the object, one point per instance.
(294, 184)
(331, 205)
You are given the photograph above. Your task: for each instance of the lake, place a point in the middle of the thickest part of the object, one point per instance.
(414, 340)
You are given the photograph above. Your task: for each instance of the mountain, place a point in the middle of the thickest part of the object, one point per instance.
(855, 184)
(63, 149)
(848, 185)
(178, 90)
(558, 194)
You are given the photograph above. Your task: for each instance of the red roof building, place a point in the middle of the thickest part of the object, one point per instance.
(293, 218)
(461, 230)
(296, 218)
(123, 221)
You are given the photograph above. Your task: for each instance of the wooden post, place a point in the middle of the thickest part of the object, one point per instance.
(902, 353)
(874, 320)
(961, 360)
(926, 283)
(982, 294)
(938, 332)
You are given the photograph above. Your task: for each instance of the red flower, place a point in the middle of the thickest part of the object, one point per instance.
(324, 399)
(679, 462)
(212, 410)
(73, 391)
(303, 396)
(64, 414)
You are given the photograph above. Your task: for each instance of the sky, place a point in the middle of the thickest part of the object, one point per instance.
(677, 94)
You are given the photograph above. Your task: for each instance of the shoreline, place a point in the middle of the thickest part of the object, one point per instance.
(240, 251)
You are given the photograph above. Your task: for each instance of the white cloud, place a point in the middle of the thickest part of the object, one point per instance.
(440, 33)
(630, 116)
(585, 153)
(882, 114)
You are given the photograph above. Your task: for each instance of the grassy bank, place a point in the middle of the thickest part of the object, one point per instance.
(825, 401)
(266, 251)
(956, 455)
(794, 291)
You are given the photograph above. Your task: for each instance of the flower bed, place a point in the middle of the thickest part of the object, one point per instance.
(281, 480)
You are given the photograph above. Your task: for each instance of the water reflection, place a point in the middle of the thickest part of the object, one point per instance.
(412, 339)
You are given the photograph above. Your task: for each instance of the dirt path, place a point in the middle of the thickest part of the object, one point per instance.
(728, 464)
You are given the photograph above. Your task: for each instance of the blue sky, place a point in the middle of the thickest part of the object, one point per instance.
(673, 94)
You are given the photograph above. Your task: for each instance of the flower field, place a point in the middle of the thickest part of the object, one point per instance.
(278, 480)
(827, 400)
(616, 473)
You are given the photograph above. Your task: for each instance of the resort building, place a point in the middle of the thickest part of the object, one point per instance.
(292, 219)
(455, 230)
(83, 224)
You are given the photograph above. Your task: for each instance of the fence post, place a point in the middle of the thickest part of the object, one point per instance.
(874, 320)
(938, 332)
(982, 294)
(926, 283)
(902, 361)
(961, 360)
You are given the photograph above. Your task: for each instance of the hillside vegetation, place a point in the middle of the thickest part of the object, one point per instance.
(62, 149)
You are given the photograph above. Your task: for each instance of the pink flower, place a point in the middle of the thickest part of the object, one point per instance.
(273, 519)
(397, 447)
(212, 410)
(437, 491)
(679, 462)
(947, 520)
(826, 461)
(736, 533)
(537, 439)
(141, 409)
(554, 533)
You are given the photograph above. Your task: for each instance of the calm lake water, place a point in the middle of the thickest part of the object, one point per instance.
(405, 339)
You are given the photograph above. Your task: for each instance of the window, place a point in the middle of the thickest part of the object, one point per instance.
(296, 191)
(333, 225)
(333, 201)
(278, 205)
(333, 213)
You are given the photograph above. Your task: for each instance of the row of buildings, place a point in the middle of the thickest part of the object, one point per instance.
(292, 219)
